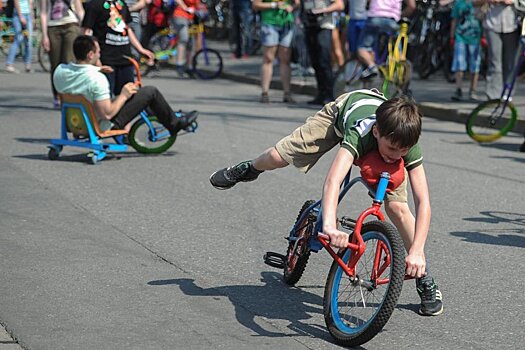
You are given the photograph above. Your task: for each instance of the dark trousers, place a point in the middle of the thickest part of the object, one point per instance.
(319, 42)
(147, 97)
(120, 76)
(242, 14)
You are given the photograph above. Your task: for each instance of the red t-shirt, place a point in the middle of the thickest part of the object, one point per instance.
(156, 15)
(180, 12)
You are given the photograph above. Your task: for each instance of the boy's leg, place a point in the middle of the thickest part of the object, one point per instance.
(302, 148)
(397, 209)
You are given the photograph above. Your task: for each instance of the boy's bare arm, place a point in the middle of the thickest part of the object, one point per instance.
(338, 170)
(418, 182)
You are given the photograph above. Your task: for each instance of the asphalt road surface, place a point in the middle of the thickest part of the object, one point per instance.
(140, 252)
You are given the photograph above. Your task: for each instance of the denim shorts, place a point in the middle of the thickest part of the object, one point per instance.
(374, 27)
(355, 27)
(466, 54)
(273, 35)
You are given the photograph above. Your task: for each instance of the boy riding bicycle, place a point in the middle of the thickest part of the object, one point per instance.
(362, 122)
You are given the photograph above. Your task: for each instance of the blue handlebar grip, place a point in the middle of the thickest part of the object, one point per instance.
(381, 187)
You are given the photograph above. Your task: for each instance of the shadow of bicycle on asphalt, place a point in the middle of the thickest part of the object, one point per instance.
(513, 234)
(272, 301)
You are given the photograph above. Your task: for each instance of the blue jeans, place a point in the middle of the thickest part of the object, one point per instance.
(242, 25)
(374, 27)
(19, 38)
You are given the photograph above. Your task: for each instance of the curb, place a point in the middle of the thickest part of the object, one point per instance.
(429, 109)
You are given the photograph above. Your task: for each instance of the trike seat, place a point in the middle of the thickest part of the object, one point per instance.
(77, 109)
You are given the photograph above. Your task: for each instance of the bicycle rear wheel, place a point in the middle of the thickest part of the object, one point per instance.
(298, 250)
(141, 137)
(207, 64)
(491, 120)
(347, 78)
(356, 309)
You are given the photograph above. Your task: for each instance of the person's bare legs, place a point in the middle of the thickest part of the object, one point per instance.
(269, 160)
(267, 67)
(284, 67)
(402, 218)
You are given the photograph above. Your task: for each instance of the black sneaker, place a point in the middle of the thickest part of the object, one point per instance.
(183, 120)
(431, 299)
(228, 177)
(458, 95)
(369, 72)
(522, 148)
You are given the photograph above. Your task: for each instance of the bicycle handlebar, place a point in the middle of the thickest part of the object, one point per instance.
(135, 64)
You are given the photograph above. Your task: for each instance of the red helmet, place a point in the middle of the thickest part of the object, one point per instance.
(372, 165)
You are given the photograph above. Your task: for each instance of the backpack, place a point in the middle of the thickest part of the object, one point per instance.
(9, 8)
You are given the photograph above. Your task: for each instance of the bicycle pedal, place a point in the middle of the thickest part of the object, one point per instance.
(274, 259)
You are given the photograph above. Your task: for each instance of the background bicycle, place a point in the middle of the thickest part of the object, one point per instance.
(494, 118)
(394, 66)
(206, 63)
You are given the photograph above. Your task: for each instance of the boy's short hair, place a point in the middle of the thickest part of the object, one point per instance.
(82, 45)
(399, 120)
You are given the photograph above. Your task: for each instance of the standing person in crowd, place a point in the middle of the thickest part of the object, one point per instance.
(242, 25)
(60, 20)
(158, 15)
(338, 55)
(108, 21)
(501, 30)
(23, 25)
(183, 17)
(465, 32)
(356, 24)
(383, 16)
(318, 23)
(276, 38)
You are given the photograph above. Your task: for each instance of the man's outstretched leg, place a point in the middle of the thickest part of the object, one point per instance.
(248, 170)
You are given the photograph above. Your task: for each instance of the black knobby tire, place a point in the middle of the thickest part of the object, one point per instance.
(139, 137)
(296, 260)
(348, 77)
(489, 121)
(346, 322)
(207, 64)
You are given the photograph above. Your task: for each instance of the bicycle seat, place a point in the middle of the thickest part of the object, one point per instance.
(404, 20)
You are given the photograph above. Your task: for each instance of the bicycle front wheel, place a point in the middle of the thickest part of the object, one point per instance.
(146, 140)
(491, 120)
(357, 308)
(207, 64)
(347, 78)
(298, 249)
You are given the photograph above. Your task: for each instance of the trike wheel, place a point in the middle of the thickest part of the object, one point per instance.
(207, 63)
(357, 308)
(53, 153)
(491, 120)
(298, 249)
(146, 140)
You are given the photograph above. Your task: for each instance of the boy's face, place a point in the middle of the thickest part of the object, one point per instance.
(390, 152)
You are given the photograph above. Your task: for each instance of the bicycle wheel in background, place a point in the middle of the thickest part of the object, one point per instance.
(140, 137)
(491, 120)
(400, 83)
(207, 64)
(43, 57)
(347, 78)
(297, 254)
(356, 309)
